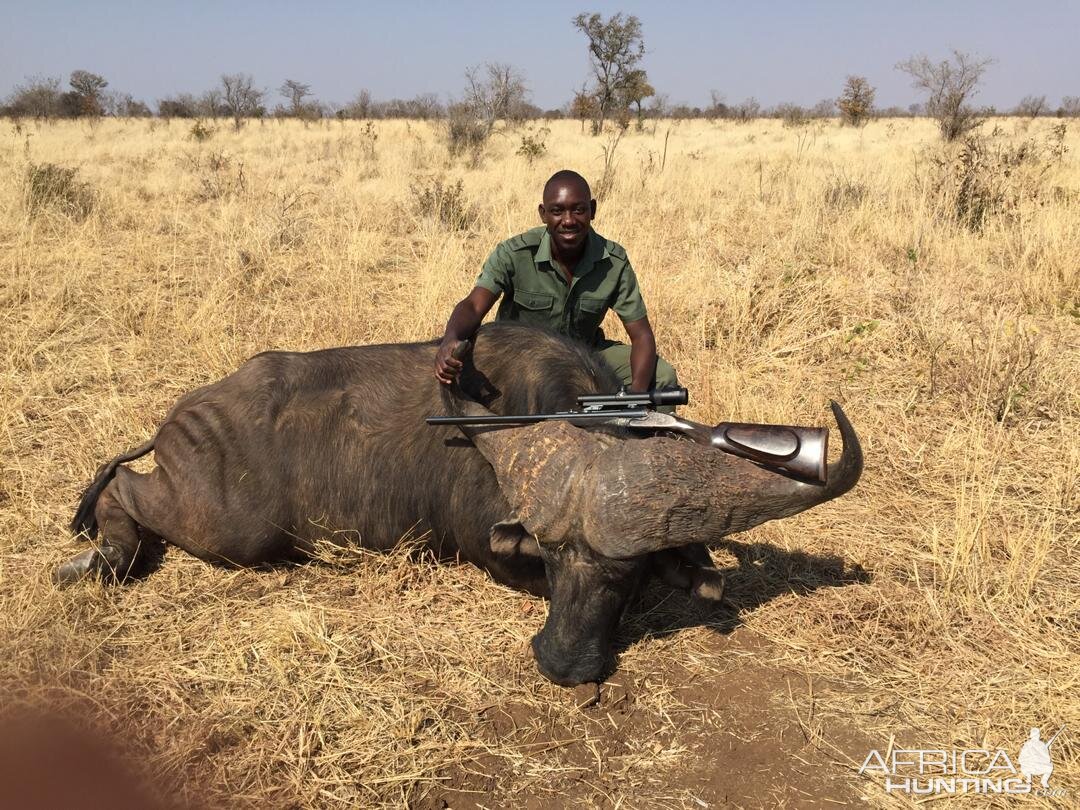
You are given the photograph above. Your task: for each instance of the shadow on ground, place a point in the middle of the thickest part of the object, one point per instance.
(763, 573)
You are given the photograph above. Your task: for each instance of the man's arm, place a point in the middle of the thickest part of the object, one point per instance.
(642, 353)
(463, 323)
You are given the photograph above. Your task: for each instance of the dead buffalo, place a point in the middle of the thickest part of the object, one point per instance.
(296, 447)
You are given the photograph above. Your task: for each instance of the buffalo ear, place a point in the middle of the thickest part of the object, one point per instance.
(510, 539)
(462, 350)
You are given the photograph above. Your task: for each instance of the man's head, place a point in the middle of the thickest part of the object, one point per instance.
(567, 210)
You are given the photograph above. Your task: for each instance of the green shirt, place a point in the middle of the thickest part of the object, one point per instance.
(535, 291)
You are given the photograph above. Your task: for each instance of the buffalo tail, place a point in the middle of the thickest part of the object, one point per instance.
(85, 521)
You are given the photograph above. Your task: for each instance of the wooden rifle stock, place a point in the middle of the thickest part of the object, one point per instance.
(801, 451)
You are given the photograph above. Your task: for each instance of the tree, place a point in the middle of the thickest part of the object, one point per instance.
(1032, 106)
(240, 98)
(949, 86)
(37, 96)
(718, 108)
(615, 48)
(87, 89)
(182, 105)
(747, 110)
(823, 109)
(424, 106)
(495, 91)
(211, 104)
(636, 89)
(856, 102)
(295, 92)
(1070, 106)
(361, 106)
(126, 105)
(583, 106)
(791, 114)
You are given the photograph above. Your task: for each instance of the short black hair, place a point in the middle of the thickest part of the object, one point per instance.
(567, 176)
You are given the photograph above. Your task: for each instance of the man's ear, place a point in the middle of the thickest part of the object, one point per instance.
(540, 211)
(592, 209)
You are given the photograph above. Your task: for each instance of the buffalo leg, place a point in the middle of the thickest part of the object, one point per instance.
(690, 568)
(187, 515)
(120, 546)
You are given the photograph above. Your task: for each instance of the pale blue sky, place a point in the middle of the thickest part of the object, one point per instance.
(777, 51)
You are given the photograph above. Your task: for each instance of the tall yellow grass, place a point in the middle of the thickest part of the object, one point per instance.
(781, 268)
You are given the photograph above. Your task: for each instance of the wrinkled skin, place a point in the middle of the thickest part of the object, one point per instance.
(599, 504)
(295, 447)
(292, 448)
(589, 593)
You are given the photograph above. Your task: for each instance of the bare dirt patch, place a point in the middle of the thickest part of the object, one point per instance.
(736, 739)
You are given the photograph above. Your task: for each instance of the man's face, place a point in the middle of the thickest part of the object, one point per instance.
(567, 212)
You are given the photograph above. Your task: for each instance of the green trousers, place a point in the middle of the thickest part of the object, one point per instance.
(617, 356)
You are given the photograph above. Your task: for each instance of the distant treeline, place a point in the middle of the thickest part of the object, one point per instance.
(616, 91)
(498, 89)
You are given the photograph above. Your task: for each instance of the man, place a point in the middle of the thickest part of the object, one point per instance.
(1035, 758)
(564, 276)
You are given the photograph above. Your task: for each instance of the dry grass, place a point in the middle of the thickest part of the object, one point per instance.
(781, 267)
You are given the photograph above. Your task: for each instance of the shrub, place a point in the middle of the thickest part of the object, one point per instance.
(1055, 141)
(980, 180)
(843, 192)
(48, 186)
(216, 177)
(792, 115)
(444, 202)
(466, 134)
(200, 131)
(368, 137)
(532, 144)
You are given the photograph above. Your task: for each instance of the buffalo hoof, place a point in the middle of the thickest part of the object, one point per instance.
(82, 566)
(94, 563)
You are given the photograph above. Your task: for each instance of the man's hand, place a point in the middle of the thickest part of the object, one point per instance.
(464, 320)
(446, 367)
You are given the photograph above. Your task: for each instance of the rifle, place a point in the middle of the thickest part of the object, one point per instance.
(799, 451)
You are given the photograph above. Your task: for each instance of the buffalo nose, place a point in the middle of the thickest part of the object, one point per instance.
(570, 668)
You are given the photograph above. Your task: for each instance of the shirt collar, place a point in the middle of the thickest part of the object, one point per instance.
(595, 251)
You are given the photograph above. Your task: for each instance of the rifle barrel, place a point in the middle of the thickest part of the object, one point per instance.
(658, 396)
(526, 419)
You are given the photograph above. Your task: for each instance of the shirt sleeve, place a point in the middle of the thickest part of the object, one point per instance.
(498, 271)
(628, 303)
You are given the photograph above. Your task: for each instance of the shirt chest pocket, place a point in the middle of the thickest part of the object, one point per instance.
(534, 307)
(588, 313)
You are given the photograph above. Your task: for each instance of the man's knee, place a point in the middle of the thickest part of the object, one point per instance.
(617, 357)
(665, 374)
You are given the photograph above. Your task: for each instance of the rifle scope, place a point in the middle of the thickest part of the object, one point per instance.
(658, 396)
